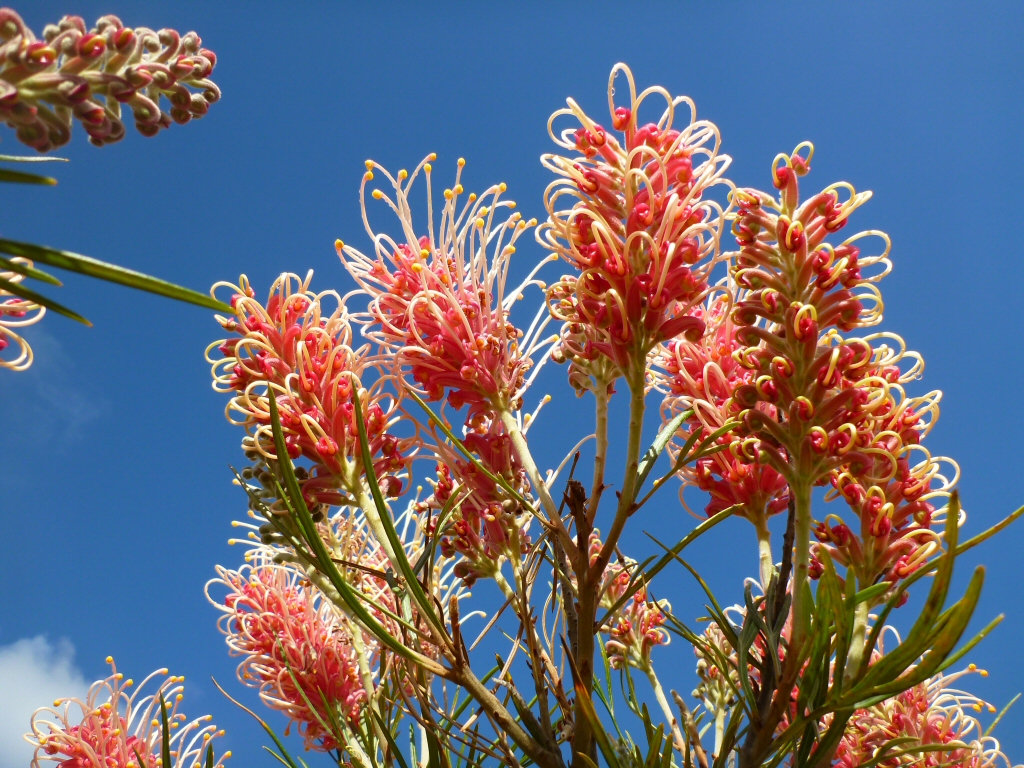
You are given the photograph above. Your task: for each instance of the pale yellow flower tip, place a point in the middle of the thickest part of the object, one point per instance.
(368, 176)
(428, 167)
(110, 659)
(403, 175)
(338, 244)
(462, 161)
(377, 194)
(369, 165)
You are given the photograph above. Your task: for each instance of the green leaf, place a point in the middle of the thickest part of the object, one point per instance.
(17, 177)
(165, 733)
(31, 159)
(390, 739)
(650, 457)
(101, 270)
(36, 298)
(24, 269)
(270, 731)
(424, 603)
(604, 743)
(297, 505)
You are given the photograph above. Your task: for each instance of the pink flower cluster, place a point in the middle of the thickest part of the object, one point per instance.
(703, 376)
(295, 648)
(117, 729)
(931, 714)
(637, 631)
(45, 84)
(488, 525)
(640, 230)
(303, 350)
(438, 301)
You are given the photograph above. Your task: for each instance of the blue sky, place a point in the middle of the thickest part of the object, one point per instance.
(116, 496)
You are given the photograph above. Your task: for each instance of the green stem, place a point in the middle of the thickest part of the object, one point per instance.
(801, 563)
(764, 550)
(860, 630)
(659, 695)
(629, 488)
(601, 450)
(523, 451)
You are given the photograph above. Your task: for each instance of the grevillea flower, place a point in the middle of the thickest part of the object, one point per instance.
(297, 649)
(636, 632)
(702, 376)
(15, 313)
(931, 714)
(818, 406)
(892, 482)
(488, 525)
(86, 75)
(439, 303)
(300, 344)
(640, 230)
(113, 728)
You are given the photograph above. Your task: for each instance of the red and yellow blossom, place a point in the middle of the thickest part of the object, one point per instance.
(115, 728)
(439, 305)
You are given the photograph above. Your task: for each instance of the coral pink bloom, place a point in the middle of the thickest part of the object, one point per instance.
(296, 649)
(929, 714)
(702, 376)
(302, 348)
(488, 525)
(636, 631)
(439, 302)
(115, 729)
(640, 230)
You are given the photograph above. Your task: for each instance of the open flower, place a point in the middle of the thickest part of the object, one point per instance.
(296, 648)
(640, 231)
(931, 714)
(113, 728)
(300, 344)
(439, 301)
(16, 313)
(45, 84)
(636, 632)
(487, 524)
(702, 376)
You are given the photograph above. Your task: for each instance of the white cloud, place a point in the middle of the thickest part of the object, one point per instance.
(33, 672)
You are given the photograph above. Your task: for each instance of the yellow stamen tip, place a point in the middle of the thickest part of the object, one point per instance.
(377, 194)
(110, 659)
(462, 161)
(369, 165)
(403, 175)
(428, 167)
(479, 223)
(368, 176)
(502, 187)
(458, 189)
